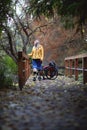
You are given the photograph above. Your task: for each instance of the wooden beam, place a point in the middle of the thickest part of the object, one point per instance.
(76, 70)
(77, 56)
(85, 70)
(71, 61)
(66, 65)
(23, 68)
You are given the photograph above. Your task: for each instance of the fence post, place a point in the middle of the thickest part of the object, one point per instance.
(70, 68)
(66, 69)
(20, 70)
(85, 70)
(23, 68)
(76, 71)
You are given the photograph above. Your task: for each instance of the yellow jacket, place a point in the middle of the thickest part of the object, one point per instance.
(37, 53)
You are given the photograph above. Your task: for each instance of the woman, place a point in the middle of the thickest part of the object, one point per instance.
(37, 55)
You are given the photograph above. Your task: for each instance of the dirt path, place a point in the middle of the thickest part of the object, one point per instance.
(59, 104)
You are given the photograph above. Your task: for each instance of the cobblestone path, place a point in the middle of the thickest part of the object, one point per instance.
(59, 104)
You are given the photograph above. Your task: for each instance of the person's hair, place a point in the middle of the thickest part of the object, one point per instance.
(37, 41)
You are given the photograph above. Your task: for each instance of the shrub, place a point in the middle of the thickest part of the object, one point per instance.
(8, 70)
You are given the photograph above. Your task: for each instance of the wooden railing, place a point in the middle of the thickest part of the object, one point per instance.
(23, 68)
(76, 64)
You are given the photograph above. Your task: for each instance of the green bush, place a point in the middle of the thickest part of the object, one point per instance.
(10, 65)
(8, 70)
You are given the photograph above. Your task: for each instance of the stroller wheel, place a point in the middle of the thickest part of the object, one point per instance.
(34, 79)
(39, 78)
(52, 73)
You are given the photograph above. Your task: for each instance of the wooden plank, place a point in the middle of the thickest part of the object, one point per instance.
(71, 62)
(22, 55)
(66, 66)
(76, 71)
(23, 68)
(77, 56)
(80, 69)
(84, 68)
(20, 75)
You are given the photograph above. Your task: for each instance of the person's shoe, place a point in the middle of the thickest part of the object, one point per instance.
(43, 78)
(34, 79)
(39, 78)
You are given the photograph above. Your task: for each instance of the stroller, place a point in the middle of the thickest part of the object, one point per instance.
(49, 71)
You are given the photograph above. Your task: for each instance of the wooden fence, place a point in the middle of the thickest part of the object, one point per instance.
(73, 65)
(76, 64)
(24, 68)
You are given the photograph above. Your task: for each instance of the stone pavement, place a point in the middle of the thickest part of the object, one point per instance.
(59, 104)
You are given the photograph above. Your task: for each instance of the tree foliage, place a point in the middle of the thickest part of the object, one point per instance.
(4, 9)
(18, 31)
(8, 70)
(65, 8)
